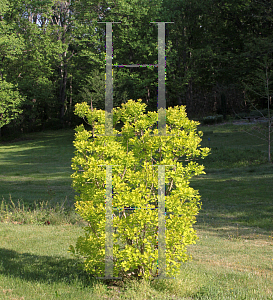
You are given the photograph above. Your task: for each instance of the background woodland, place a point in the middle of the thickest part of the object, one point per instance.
(52, 56)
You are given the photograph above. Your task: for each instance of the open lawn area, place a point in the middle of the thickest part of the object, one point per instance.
(233, 258)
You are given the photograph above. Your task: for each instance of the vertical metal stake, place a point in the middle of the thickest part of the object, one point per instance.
(161, 103)
(109, 82)
(161, 223)
(161, 132)
(109, 264)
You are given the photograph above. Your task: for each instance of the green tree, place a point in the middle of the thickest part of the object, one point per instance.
(11, 43)
(260, 85)
(54, 51)
(93, 91)
(205, 45)
(134, 42)
(10, 102)
(31, 64)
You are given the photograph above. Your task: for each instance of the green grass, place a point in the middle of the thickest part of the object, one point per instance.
(233, 258)
(38, 167)
(232, 148)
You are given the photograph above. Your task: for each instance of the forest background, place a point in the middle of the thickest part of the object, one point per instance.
(52, 56)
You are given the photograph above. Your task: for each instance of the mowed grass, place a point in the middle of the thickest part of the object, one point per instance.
(37, 167)
(233, 258)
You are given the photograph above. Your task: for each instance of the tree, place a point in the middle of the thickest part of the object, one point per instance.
(11, 46)
(11, 43)
(31, 66)
(134, 42)
(54, 49)
(10, 102)
(94, 89)
(205, 42)
(260, 85)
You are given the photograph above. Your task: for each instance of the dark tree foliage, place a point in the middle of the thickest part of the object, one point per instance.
(53, 51)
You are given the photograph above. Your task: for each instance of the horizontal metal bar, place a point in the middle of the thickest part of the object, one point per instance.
(109, 278)
(125, 208)
(135, 66)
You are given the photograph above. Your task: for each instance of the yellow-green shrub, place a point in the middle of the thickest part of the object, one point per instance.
(135, 185)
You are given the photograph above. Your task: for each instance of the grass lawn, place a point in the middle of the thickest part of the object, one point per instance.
(233, 258)
(37, 167)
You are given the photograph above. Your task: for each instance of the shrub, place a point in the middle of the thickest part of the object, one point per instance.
(255, 114)
(213, 119)
(135, 185)
(219, 118)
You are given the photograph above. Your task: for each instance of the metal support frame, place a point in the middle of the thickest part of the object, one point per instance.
(161, 106)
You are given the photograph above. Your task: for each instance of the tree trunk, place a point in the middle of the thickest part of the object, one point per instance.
(268, 114)
(1, 74)
(63, 83)
(30, 16)
(179, 100)
(61, 19)
(147, 95)
(70, 99)
(269, 141)
(269, 129)
(189, 96)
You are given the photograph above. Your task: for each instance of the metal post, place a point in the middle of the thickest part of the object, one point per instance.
(161, 132)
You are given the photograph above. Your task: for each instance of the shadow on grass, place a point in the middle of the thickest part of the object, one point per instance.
(38, 169)
(48, 269)
(54, 269)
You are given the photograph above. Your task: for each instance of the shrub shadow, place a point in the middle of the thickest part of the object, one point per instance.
(48, 269)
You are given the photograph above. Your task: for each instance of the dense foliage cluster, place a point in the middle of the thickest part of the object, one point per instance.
(135, 156)
(54, 51)
(10, 103)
